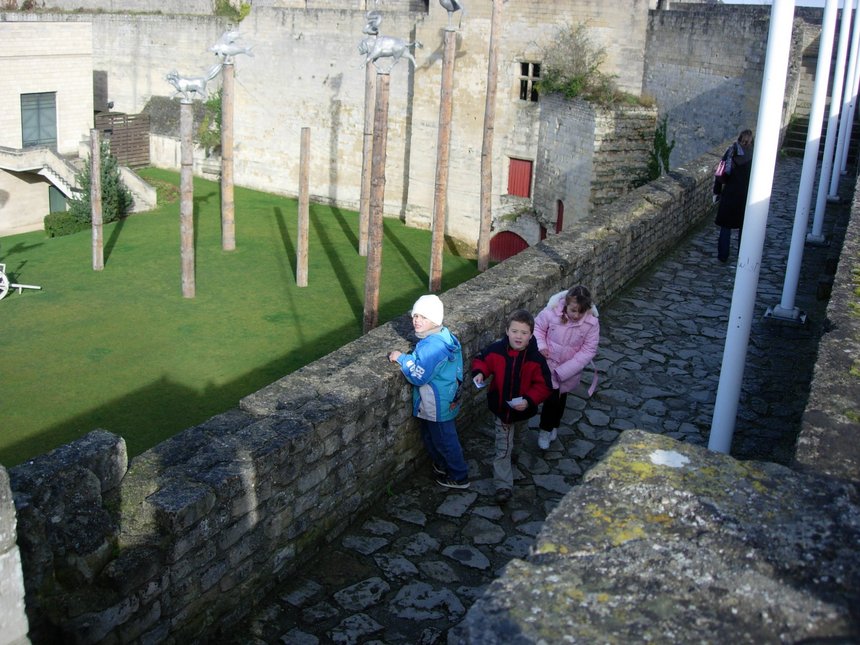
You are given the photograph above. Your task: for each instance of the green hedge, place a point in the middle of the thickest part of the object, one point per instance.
(63, 223)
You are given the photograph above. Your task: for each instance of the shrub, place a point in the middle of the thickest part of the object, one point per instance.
(209, 132)
(63, 223)
(116, 198)
(571, 67)
(658, 157)
(227, 9)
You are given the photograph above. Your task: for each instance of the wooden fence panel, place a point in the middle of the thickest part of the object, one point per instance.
(128, 135)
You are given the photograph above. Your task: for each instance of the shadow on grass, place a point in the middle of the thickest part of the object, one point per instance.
(348, 233)
(289, 247)
(406, 253)
(155, 412)
(355, 299)
(114, 236)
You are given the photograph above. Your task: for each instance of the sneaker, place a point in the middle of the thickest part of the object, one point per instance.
(543, 440)
(553, 435)
(439, 470)
(447, 482)
(503, 495)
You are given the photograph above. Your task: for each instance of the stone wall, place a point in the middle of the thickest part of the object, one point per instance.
(12, 616)
(664, 542)
(589, 156)
(704, 65)
(196, 528)
(306, 71)
(831, 422)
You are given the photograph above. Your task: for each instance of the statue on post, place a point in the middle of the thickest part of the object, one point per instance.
(191, 85)
(227, 47)
(375, 47)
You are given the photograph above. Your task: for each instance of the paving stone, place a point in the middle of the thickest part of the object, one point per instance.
(439, 571)
(297, 637)
(467, 556)
(420, 601)
(489, 512)
(483, 531)
(363, 544)
(555, 483)
(377, 526)
(319, 612)
(362, 595)
(306, 591)
(456, 504)
(353, 629)
(417, 544)
(395, 567)
(659, 358)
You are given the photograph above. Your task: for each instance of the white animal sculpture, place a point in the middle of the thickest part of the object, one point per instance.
(373, 18)
(186, 86)
(452, 6)
(375, 47)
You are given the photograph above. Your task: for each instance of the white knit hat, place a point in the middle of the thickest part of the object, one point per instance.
(430, 307)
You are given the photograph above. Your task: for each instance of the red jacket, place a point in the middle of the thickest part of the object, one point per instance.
(515, 373)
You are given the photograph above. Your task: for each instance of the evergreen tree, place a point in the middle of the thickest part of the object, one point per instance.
(116, 198)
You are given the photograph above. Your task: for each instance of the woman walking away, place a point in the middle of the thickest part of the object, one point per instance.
(730, 191)
(567, 333)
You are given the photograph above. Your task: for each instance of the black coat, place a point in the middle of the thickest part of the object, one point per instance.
(733, 190)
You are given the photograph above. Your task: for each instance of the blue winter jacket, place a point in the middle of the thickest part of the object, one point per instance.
(435, 368)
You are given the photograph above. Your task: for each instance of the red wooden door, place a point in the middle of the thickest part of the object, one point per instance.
(505, 244)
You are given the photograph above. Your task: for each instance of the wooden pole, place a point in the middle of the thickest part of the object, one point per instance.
(377, 200)
(228, 221)
(443, 150)
(302, 255)
(487, 147)
(186, 199)
(96, 200)
(367, 145)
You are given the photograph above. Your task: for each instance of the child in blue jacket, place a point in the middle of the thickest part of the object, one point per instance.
(435, 369)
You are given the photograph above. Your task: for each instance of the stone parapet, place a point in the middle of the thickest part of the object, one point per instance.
(668, 542)
(197, 528)
(828, 439)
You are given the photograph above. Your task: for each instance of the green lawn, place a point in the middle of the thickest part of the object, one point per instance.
(122, 350)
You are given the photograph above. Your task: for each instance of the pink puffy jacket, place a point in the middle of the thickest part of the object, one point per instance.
(572, 345)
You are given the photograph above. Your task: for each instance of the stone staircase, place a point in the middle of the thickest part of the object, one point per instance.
(794, 144)
(43, 161)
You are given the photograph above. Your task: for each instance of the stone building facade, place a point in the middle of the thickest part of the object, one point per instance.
(46, 110)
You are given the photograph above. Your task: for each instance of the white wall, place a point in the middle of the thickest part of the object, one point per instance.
(47, 57)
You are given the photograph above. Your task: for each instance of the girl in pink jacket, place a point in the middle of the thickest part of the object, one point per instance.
(567, 333)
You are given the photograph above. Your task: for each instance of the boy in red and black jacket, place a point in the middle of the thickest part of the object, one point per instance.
(520, 382)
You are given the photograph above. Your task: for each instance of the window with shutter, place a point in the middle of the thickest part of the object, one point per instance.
(520, 178)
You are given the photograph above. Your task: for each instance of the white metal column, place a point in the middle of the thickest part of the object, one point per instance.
(755, 223)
